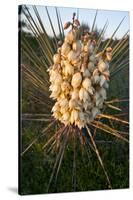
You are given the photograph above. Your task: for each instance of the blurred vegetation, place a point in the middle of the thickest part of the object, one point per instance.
(36, 164)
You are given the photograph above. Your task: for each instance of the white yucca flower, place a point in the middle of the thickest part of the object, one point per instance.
(91, 66)
(65, 87)
(79, 80)
(63, 102)
(77, 46)
(74, 116)
(70, 37)
(66, 116)
(95, 111)
(73, 103)
(102, 93)
(66, 48)
(76, 80)
(86, 73)
(75, 94)
(102, 66)
(83, 95)
(96, 79)
(69, 69)
(102, 80)
(86, 83)
(72, 56)
(56, 59)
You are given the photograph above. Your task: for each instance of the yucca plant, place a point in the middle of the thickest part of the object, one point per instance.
(78, 64)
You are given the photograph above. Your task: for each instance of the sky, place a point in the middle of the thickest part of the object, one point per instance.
(86, 16)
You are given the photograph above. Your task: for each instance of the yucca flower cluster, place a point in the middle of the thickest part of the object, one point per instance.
(79, 77)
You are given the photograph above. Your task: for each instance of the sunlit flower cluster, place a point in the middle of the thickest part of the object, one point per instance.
(79, 78)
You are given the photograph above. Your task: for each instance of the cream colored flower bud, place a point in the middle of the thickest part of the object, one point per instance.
(63, 102)
(76, 62)
(91, 66)
(56, 59)
(76, 80)
(99, 100)
(55, 88)
(80, 124)
(83, 95)
(91, 90)
(72, 56)
(58, 79)
(69, 69)
(102, 80)
(96, 79)
(55, 67)
(81, 116)
(88, 118)
(99, 103)
(64, 109)
(86, 73)
(65, 49)
(75, 94)
(92, 58)
(50, 68)
(106, 73)
(56, 107)
(52, 74)
(95, 111)
(74, 116)
(85, 105)
(86, 83)
(106, 85)
(90, 105)
(97, 96)
(76, 46)
(108, 53)
(102, 92)
(57, 115)
(55, 77)
(65, 86)
(66, 116)
(102, 66)
(55, 93)
(108, 56)
(61, 96)
(108, 49)
(70, 37)
(95, 72)
(73, 104)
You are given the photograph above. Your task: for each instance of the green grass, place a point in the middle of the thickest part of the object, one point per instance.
(37, 166)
